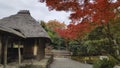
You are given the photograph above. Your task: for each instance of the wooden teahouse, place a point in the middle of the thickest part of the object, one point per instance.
(8, 35)
(23, 36)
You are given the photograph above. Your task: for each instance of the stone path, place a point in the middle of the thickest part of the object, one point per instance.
(68, 63)
(61, 53)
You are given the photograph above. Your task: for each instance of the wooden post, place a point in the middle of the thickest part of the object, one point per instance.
(5, 52)
(0, 49)
(35, 48)
(19, 55)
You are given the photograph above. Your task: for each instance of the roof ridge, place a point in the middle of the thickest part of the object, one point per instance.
(24, 12)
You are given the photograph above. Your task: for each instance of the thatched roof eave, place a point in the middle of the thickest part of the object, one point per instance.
(8, 30)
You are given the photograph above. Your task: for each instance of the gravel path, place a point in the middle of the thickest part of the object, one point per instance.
(68, 63)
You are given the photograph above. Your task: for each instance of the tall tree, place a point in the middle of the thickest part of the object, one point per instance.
(99, 12)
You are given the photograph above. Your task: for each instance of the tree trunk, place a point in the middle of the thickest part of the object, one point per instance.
(66, 44)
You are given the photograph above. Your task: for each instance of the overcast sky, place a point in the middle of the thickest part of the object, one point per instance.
(38, 10)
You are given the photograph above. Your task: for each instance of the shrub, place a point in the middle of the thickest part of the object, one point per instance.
(105, 63)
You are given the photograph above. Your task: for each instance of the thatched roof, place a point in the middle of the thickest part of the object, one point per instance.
(11, 31)
(24, 23)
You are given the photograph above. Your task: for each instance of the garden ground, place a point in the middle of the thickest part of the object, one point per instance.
(61, 60)
(68, 63)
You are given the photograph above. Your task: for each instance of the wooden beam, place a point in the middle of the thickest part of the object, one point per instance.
(5, 51)
(35, 48)
(0, 49)
(19, 55)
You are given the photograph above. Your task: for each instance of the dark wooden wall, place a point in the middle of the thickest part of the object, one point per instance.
(41, 49)
(29, 49)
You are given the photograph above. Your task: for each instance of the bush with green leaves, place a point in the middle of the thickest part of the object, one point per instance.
(77, 50)
(86, 49)
(104, 63)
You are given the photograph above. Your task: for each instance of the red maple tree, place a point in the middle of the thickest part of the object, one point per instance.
(99, 12)
(75, 31)
(96, 11)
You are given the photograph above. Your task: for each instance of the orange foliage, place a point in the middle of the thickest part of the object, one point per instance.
(75, 32)
(53, 24)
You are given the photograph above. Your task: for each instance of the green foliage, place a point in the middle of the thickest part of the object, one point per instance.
(57, 41)
(75, 49)
(115, 29)
(105, 63)
(96, 43)
(113, 59)
(97, 47)
(91, 47)
(97, 33)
